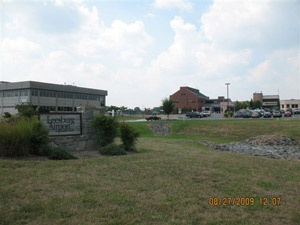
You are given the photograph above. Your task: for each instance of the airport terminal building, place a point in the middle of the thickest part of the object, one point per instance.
(52, 97)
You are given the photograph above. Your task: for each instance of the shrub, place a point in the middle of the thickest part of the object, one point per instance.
(106, 129)
(44, 150)
(26, 110)
(129, 136)
(21, 136)
(112, 149)
(60, 154)
(39, 138)
(7, 115)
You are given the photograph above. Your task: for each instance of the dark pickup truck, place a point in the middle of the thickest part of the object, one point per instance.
(152, 118)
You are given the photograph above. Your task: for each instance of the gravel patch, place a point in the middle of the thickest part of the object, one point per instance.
(272, 146)
(160, 129)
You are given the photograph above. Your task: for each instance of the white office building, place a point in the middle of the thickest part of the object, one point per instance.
(52, 97)
(290, 104)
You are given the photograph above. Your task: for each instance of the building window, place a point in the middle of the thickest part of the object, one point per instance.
(64, 108)
(10, 94)
(34, 93)
(288, 105)
(64, 95)
(81, 96)
(93, 97)
(52, 94)
(24, 93)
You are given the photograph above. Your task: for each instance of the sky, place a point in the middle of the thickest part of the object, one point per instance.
(142, 51)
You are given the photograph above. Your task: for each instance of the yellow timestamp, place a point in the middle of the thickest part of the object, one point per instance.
(275, 201)
(244, 201)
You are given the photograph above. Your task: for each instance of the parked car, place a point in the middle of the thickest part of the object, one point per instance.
(276, 113)
(206, 113)
(296, 111)
(267, 115)
(152, 118)
(237, 114)
(255, 114)
(246, 114)
(194, 114)
(287, 113)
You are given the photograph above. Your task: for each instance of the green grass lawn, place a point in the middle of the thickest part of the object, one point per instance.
(225, 130)
(169, 182)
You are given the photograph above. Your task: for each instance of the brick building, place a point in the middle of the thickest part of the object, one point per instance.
(268, 101)
(188, 98)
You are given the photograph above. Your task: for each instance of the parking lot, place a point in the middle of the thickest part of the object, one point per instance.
(214, 116)
(219, 116)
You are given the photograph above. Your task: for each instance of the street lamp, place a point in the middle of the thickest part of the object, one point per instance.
(227, 84)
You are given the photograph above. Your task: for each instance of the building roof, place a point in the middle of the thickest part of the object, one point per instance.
(196, 92)
(50, 87)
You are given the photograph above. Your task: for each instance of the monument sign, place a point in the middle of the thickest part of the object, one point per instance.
(60, 124)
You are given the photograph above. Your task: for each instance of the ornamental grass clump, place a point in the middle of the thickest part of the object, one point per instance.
(22, 136)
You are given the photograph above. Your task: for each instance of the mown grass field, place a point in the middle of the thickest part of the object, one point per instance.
(169, 182)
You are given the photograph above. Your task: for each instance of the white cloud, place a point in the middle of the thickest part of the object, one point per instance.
(20, 45)
(279, 71)
(230, 44)
(261, 24)
(58, 3)
(90, 19)
(234, 23)
(181, 4)
(120, 41)
(17, 55)
(190, 56)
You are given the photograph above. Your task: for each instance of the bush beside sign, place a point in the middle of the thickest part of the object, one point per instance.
(60, 124)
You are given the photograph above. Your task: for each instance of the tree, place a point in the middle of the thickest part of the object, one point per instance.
(251, 104)
(26, 110)
(167, 106)
(241, 105)
(257, 105)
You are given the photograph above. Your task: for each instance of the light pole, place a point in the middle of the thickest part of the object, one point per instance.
(227, 84)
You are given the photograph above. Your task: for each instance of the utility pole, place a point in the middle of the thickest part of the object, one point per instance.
(227, 84)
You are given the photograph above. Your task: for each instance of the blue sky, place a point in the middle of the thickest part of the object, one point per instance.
(142, 51)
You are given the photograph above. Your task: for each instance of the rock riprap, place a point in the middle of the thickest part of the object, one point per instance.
(160, 129)
(273, 146)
